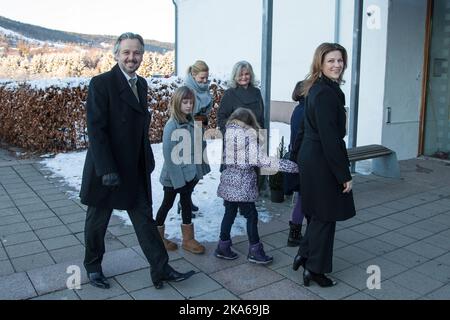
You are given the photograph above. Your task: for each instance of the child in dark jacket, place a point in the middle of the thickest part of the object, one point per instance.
(238, 182)
(295, 225)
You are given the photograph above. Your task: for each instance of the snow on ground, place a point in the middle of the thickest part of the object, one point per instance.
(69, 167)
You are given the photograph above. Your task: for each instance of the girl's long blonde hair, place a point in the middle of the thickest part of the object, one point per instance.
(178, 96)
(318, 60)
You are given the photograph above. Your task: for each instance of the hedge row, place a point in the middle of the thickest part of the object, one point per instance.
(53, 119)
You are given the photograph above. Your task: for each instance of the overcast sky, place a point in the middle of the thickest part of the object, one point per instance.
(153, 19)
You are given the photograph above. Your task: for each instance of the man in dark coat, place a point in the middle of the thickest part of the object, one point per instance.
(119, 163)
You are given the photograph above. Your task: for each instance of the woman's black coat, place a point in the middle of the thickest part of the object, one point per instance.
(239, 97)
(323, 160)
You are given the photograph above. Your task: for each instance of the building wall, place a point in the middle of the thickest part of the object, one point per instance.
(219, 32)
(404, 67)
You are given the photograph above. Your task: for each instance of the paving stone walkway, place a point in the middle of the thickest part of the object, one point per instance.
(402, 226)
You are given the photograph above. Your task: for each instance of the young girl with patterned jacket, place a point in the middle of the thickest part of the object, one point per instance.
(238, 187)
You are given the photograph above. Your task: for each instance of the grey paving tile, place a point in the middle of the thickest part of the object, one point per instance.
(89, 292)
(396, 239)
(129, 240)
(444, 259)
(404, 217)
(30, 208)
(9, 212)
(55, 277)
(45, 223)
(436, 270)
(60, 203)
(340, 291)
(281, 290)
(276, 240)
(16, 286)
(166, 293)
(68, 210)
(360, 296)
(4, 221)
(122, 261)
(369, 229)
(76, 227)
(196, 285)
(6, 204)
(388, 223)
(381, 210)
(246, 277)
(392, 291)
(59, 295)
(38, 215)
(6, 268)
(221, 294)
(417, 282)
(414, 232)
(14, 228)
(442, 293)
(61, 242)
(135, 280)
(121, 230)
(405, 257)
(3, 255)
(25, 195)
(207, 262)
(52, 232)
(354, 276)
(74, 217)
(68, 253)
(350, 236)
(280, 259)
(122, 297)
(33, 261)
(375, 246)
(18, 238)
(388, 268)
(443, 219)
(28, 201)
(353, 254)
(24, 249)
(425, 249)
(439, 240)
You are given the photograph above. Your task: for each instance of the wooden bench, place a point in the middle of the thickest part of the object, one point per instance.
(384, 163)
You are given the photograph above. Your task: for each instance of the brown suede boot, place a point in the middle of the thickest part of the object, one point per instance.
(169, 245)
(189, 243)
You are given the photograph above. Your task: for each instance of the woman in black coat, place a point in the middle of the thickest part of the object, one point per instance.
(325, 180)
(242, 93)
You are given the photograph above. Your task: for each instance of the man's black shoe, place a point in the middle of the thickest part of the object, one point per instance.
(173, 276)
(98, 279)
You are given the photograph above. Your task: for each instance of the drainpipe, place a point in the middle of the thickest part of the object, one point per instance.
(356, 70)
(176, 36)
(337, 21)
(266, 61)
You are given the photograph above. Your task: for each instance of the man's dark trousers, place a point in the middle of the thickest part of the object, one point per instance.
(97, 220)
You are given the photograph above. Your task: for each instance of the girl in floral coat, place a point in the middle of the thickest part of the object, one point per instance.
(238, 183)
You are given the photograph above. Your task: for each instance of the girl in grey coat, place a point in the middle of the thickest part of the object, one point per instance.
(238, 182)
(197, 81)
(179, 173)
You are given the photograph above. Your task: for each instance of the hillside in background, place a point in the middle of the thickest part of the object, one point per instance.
(17, 31)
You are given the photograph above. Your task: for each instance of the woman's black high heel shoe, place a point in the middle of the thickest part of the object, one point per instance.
(318, 278)
(298, 261)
